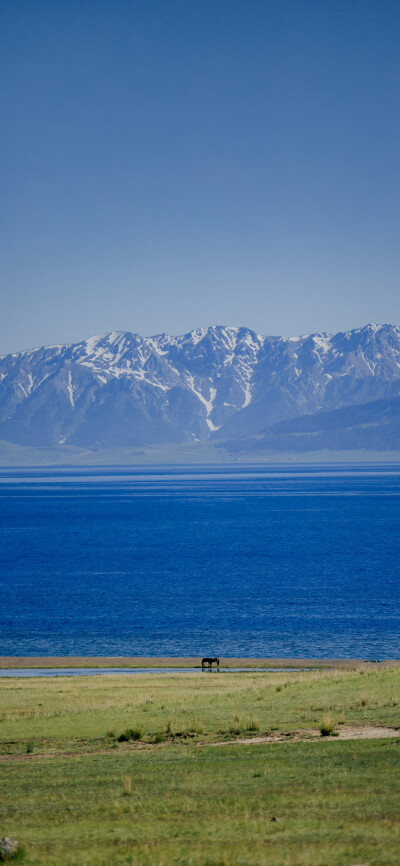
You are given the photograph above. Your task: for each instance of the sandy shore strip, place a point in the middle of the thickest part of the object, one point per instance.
(32, 662)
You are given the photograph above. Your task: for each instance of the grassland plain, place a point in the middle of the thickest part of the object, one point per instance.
(189, 790)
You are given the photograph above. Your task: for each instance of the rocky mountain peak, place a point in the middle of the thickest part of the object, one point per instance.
(121, 389)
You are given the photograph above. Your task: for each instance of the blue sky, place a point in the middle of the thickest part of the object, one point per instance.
(168, 164)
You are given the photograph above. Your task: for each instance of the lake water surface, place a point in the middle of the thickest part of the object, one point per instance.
(231, 561)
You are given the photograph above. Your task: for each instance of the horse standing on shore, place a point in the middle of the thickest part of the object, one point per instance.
(209, 662)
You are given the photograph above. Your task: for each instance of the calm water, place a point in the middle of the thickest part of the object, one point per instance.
(231, 562)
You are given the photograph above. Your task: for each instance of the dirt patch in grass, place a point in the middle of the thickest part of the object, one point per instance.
(367, 732)
(343, 732)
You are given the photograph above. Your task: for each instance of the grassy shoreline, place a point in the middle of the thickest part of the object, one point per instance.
(196, 785)
(184, 662)
(61, 713)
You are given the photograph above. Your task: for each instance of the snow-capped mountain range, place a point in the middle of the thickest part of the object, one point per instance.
(221, 383)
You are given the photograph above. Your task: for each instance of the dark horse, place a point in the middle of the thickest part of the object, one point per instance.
(209, 662)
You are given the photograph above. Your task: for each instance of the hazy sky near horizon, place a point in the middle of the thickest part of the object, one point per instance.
(169, 164)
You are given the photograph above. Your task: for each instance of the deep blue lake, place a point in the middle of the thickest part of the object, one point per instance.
(284, 561)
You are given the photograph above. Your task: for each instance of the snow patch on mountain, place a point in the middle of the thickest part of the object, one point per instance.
(207, 403)
(71, 390)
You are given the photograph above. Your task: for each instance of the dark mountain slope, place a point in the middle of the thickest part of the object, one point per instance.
(371, 426)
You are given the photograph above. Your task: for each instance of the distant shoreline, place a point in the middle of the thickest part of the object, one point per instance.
(199, 455)
(182, 662)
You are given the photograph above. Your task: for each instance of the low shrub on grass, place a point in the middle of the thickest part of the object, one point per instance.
(254, 724)
(131, 734)
(127, 785)
(29, 748)
(174, 729)
(327, 728)
(237, 726)
(159, 737)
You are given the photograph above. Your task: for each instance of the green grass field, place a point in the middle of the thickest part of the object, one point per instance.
(189, 791)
